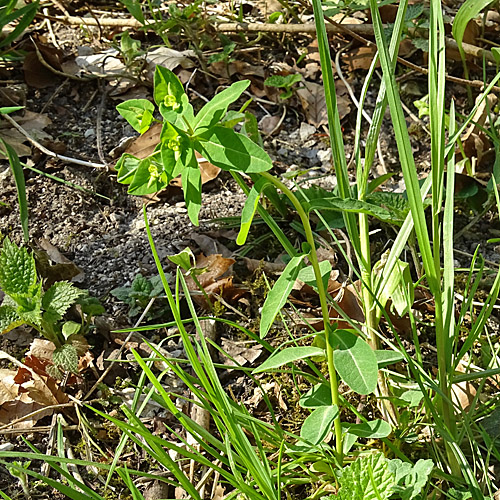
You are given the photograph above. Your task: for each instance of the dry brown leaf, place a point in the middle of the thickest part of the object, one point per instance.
(215, 266)
(9, 389)
(312, 98)
(209, 245)
(270, 124)
(170, 58)
(270, 267)
(240, 351)
(360, 58)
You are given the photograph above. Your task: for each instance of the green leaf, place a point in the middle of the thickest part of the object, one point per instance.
(168, 92)
(319, 395)
(385, 358)
(367, 478)
(229, 150)
(214, 110)
(185, 259)
(9, 319)
(10, 109)
(148, 178)
(191, 186)
(494, 50)
(250, 128)
(249, 209)
(70, 328)
(24, 16)
(355, 361)
(17, 170)
(468, 11)
(91, 306)
(138, 112)
(126, 168)
(278, 295)
(307, 274)
(288, 355)
(17, 270)
(282, 81)
(410, 479)
(318, 424)
(59, 298)
(66, 357)
(352, 205)
(135, 9)
(374, 429)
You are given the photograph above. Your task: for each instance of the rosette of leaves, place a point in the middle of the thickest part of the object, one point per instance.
(25, 303)
(138, 295)
(183, 133)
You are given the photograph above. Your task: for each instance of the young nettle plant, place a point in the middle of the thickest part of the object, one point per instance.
(25, 303)
(210, 133)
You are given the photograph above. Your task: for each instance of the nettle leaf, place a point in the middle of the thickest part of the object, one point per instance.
(59, 298)
(367, 478)
(249, 209)
(278, 295)
(318, 424)
(17, 270)
(214, 110)
(410, 479)
(9, 319)
(288, 355)
(191, 186)
(29, 308)
(374, 429)
(168, 91)
(137, 112)
(355, 361)
(229, 150)
(66, 357)
(319, 395)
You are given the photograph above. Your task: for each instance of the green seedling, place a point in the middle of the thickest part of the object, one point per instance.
(20, 17)
(25, 303)
(283, 82)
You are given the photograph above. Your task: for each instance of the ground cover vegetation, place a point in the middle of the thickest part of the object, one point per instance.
(359, 356)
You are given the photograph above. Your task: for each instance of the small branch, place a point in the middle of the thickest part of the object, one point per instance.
(48, 152)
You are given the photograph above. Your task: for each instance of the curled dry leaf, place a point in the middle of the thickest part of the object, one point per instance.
(240, 351)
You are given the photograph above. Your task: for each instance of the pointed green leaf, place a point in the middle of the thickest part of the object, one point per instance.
(318, 424)
(469, 10)
(229, 150)
(149, 177)
(249, 209)
(385, 358)
(185, 259)
(288, 355)
(17, 270)
(168, 91)
(17, 170)
(138, 112)
(191, 186)
(355, 361)
(278, 295)
(307, 274)
(214, 110)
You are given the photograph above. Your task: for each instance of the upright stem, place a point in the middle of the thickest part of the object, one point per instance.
(313, 258)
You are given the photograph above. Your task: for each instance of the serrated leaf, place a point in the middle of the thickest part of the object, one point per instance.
(355, 361)
(9, 319)
(318, 424)
(410, 479)
(374, 429)
(288, 355)
(66, 358)
(215, 109)
(229, 150)
(138, 113)
(59, 298)
(319, 395)
(367, 478)
(17, 270)
(278, 295)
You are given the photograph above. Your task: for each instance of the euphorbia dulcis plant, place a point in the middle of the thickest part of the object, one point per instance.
(210, 133)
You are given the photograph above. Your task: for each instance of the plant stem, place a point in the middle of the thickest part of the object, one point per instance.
(313, 258)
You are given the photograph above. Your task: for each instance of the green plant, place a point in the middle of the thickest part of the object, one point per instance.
(284, 82)
(138, 295)
(25, 302)
(10, 13)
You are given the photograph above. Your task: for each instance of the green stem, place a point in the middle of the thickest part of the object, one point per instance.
(313, 258)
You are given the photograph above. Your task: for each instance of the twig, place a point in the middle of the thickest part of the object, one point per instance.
(48, 151)
(100, 110)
